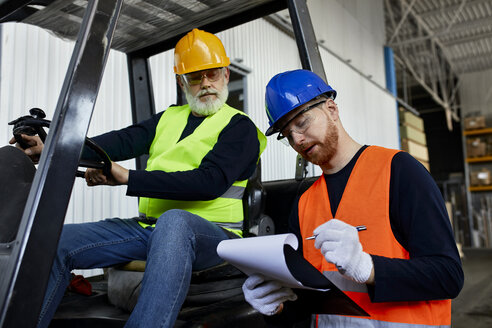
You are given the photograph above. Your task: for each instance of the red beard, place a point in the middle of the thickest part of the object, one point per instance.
(325, 149)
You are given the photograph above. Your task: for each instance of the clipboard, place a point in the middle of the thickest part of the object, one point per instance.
(276, 257)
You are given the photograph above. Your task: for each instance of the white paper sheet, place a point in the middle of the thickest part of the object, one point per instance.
(263, 255)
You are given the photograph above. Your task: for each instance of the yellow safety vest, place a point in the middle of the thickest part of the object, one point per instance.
(169, 155)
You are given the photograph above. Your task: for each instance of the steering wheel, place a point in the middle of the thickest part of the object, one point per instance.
(35, 123)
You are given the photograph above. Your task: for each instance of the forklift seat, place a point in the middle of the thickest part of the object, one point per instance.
(207, 286)
(16, 175)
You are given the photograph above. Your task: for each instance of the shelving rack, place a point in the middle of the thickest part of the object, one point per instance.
(476, 194)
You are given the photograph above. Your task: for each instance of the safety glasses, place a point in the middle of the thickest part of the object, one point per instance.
(299, 123)
(195, 78)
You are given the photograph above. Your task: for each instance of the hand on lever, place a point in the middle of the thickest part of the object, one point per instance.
(35, 146)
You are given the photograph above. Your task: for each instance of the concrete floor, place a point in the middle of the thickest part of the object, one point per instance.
(473, 307)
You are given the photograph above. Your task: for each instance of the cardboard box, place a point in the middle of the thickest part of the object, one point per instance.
(480, 178)
(411, 133)
(416, 150)
(475, 122)
(408, 118)
(475, 147)
(488, 142)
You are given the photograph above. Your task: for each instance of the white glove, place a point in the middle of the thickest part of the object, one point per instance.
(339, 243)
(266, 296)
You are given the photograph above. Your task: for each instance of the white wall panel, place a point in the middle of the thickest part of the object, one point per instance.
(163, 80)
(34, 64)
(33, 69)
(353, 30)
(367, 113)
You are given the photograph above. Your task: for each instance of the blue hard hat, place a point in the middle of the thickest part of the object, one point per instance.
(289, 90)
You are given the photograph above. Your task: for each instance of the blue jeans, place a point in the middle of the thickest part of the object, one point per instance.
(179, 243)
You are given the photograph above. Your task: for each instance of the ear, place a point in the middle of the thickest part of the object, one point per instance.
(178, 79)
(332, 109)
(227, 74)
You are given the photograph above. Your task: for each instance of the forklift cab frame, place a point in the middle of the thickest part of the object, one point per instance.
(28, 258)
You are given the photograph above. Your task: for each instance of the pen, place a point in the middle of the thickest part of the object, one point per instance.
(359, 228)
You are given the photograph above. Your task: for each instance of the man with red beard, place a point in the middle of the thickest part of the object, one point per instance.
(404, 268)
(200, 158)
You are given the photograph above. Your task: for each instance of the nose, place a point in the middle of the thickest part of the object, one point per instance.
(205, 83)
(296, 138)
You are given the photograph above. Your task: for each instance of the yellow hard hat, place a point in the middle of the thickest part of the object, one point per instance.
(199, 50)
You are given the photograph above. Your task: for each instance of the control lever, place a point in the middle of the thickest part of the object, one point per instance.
(35, 123)
(30, 125)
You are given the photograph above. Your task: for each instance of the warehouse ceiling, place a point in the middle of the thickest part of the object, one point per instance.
(144, 26)
(434, 42)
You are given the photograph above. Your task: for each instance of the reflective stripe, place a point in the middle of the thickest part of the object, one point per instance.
(234, 192)
(345, 284)
(147, 220)
(230, 225)
(335, 321)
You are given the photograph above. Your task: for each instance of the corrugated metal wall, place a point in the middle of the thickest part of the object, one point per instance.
(33, 69)
(34, 63)
(354, 30)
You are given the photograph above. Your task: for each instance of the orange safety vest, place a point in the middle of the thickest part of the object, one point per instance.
(365, 201)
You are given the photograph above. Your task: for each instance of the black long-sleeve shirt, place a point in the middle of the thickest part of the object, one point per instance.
(420, 223)
(232, 158)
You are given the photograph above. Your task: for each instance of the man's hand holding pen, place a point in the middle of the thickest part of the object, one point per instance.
(339, 244)
(359, 228)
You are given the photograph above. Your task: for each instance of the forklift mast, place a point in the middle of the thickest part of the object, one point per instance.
(26, 261)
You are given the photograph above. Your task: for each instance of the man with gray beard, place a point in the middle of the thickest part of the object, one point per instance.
(200, 158)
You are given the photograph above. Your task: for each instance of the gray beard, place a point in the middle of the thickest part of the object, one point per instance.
(208, 107)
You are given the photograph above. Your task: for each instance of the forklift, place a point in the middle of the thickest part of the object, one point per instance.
(25, 261)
